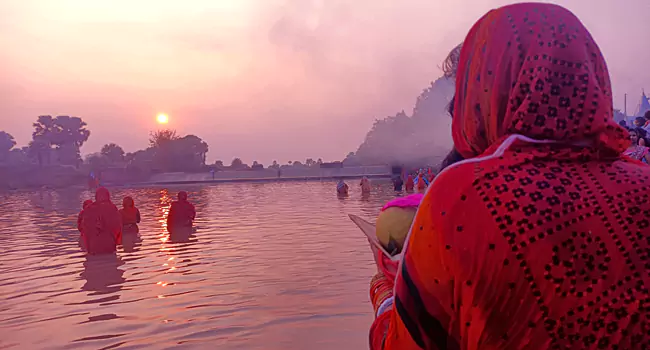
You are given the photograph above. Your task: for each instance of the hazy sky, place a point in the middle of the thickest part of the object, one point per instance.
(258, 79)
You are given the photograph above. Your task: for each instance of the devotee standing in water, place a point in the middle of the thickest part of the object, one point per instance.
(410, 184)
(101, 225)
(85, 205)
(181, 214)
(365, 185)
(342, 188)
(539, 238)
(397, 183)
(130, 216)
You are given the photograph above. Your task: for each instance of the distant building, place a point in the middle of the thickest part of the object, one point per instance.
(644, 105)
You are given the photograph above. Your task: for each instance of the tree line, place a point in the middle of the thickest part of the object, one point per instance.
(58, 141)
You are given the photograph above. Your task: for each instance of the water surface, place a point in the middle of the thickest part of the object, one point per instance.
(271, 266)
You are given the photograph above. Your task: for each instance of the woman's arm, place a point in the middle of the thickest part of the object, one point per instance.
(137, 216)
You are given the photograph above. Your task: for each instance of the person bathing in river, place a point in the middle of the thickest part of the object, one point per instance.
(342, 188)
(80, 217)
(397, 183)
(365, 185)
(130, 216)
(538, 239)
(101, 225)
(410, 183)
(181, 214)
(421, 182)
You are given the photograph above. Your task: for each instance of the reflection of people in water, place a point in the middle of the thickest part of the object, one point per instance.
(101, 225)
(181, 214)
(102, 274)
(130, 216)
(365, 185)
(342, 188)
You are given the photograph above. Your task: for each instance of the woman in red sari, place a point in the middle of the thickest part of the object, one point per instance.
(102, 225)
(539, 238)
(130, 216)
(181, 214)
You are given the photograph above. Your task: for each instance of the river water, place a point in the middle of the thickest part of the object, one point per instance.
(271, 266)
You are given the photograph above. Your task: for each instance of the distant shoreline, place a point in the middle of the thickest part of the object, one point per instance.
(262, 179)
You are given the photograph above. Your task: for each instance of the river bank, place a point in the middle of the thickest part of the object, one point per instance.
(270, 175)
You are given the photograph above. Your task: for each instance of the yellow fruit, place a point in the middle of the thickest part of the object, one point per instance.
(393, 225)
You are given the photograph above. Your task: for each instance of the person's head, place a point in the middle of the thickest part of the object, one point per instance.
(636, 135)
(182, 196)
(647, 115)
(102, 195)
(128, 202)
(533, 69)
(623, 123)
(87, 203)
(639, 122)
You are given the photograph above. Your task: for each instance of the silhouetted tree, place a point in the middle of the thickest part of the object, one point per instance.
(236, 163)
(275, 165)
(113, 153)
(159, 138)
(218, 163)
(64, 134)
(7, 142)
(309, 162)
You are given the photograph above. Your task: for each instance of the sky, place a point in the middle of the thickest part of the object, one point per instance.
(258, 79)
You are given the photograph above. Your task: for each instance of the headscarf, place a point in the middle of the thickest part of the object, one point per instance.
(181, 213)
(130, 214)
(340, 185)
(84, 206)
(491, 261)
(533, 70)
(102, 224)
(102, 195)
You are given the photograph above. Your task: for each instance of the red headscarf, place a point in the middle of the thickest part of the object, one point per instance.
(533, 70)
(85, 205)
(538, 246)
(102, 224)
(181, 213)
(130, 214)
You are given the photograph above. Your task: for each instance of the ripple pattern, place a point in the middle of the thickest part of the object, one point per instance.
(271, 266)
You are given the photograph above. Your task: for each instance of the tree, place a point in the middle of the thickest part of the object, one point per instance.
(236, 163)
(39, 150)
(160, 138)
(275, 165)
(310, 162)
(113, 153)
(187, 153)
(7, 142)
(255, 163)
(297, 163)
(218, 163)
(64, 134)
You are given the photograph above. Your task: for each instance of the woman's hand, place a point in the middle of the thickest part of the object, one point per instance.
(384, 264)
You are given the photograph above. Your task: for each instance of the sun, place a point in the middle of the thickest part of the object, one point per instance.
(162, 118)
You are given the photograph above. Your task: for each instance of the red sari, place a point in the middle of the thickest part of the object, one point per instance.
(536, 241)
(102, 225)
(181, 213)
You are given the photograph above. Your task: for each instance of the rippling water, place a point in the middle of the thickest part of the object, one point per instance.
(271, 266)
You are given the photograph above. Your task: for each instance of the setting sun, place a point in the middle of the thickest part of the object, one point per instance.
(162, 118)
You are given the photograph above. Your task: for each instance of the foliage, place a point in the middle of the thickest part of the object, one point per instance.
(237, 163)
(160, 138)
(420, 139)
(113, 153)
(219, 163)
(7, 142)
(63, 134)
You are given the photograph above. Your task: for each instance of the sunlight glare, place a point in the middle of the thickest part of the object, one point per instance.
(162, 118)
